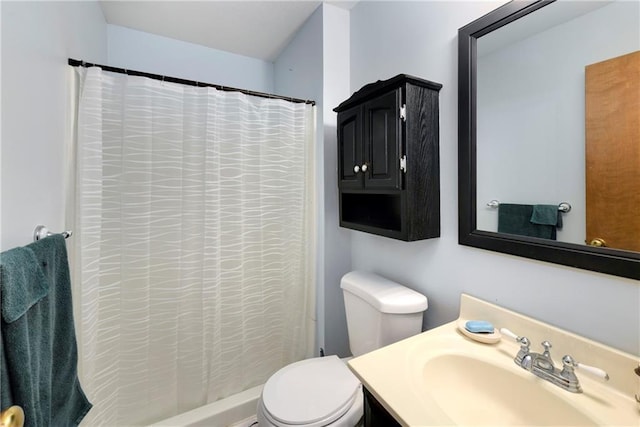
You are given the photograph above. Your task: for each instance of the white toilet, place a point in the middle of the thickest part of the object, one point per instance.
(322, 391)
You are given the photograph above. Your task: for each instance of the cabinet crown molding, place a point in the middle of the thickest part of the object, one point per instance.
(381, 86)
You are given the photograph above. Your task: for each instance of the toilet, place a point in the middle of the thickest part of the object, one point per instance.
(322, 391)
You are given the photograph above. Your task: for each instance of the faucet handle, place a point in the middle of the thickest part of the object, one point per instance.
(547, 345)
(507, 332)
(524, 347)
(521, 340)
(570, 363)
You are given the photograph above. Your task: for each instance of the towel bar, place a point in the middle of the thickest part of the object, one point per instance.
(13, 416)
(563, 207)
(41, 232)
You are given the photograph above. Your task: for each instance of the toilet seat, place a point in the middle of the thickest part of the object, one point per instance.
(312, 392)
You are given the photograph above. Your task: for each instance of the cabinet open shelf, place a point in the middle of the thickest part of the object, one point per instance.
(367, 212)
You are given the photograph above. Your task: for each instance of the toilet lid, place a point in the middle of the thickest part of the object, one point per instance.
(310, 391)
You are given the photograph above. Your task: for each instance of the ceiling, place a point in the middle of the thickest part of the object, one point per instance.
(258, 29)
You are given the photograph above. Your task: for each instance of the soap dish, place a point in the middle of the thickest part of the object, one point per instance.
(483, 338)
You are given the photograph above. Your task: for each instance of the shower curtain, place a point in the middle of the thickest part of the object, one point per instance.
(193, 255)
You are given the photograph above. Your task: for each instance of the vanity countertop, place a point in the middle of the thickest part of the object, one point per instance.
(443, 377)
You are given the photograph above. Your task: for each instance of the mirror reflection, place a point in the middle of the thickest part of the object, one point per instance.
(558, 121)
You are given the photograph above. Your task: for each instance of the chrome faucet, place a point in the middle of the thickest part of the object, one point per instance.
(524, 349)
(540, 362)
(542, 366)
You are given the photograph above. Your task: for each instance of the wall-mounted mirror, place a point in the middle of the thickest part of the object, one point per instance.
(549, 133)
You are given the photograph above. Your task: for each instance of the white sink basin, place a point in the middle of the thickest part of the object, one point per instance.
(443, 377)
(476, 392)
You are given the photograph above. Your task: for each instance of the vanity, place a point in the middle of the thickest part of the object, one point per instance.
(444, 377)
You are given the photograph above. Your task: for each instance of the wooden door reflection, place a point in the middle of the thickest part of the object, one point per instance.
(612, 113)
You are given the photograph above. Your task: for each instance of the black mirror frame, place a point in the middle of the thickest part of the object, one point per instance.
(603, 260)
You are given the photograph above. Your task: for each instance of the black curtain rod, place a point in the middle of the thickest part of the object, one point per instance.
(77, 63)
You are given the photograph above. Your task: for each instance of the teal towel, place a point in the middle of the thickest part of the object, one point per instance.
(22, 285)
(39, 351)
(516, 219)
(547, 215)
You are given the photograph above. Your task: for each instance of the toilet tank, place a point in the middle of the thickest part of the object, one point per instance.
(379, 311)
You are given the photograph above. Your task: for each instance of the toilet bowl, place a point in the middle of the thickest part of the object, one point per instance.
(322, 391)
(313, 393)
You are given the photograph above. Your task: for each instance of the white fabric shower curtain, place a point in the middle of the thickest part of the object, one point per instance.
(194, 245)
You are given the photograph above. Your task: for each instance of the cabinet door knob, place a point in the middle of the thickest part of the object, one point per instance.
(598, 242)
(364, 167)
(356, 168)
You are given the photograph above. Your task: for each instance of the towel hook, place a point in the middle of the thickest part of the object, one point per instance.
(42, 231)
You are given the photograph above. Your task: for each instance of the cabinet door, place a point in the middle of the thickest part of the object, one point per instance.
(382, 141)
(350, 149)
(375, 415)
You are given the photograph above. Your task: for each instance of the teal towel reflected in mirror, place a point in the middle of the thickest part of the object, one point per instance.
(516, 219)
(547, 215)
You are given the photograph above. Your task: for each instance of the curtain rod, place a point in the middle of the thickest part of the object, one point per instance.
(77, 63)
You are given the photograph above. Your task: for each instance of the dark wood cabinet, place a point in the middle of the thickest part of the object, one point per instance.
(388, 159)
(369, 140)
(375, 415)
(350, 151)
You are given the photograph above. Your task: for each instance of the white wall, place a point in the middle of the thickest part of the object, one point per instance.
(155, 54)
(315, 65)
(337, 88)
(531, 121)
(37, 40)
(420, 38)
